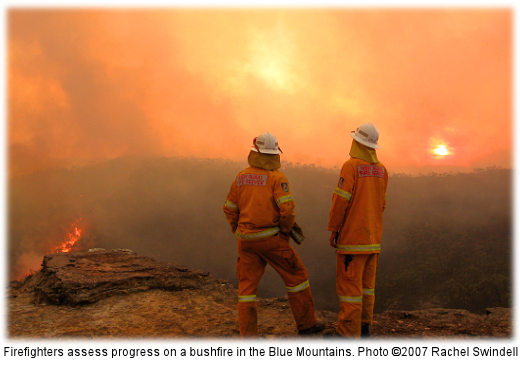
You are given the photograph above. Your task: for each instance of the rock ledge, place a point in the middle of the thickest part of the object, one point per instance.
(77, 278)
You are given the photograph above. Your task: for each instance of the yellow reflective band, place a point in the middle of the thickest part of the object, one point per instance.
(247, 298)
(286, 198)
(259, 235)
(360, 248)
(351, 299)
(229, 204)
(368, 291)
(343, 193)
(298, 288)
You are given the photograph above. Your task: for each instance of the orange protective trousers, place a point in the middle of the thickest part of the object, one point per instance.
(251, 264)
(355, 283)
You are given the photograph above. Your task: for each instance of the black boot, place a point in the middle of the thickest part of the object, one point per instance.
(365, 331)
(313, 329)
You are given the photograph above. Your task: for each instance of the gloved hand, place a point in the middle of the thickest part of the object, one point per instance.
(296, 234)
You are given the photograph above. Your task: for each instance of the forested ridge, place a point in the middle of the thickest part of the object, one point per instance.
(449, 242)
(447, 237)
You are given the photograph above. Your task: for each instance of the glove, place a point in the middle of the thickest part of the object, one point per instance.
(297, 234)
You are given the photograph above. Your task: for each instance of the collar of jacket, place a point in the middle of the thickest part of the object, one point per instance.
(265, 161)
(363, 152)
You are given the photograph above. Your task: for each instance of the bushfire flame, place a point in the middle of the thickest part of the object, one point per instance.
(68, 245)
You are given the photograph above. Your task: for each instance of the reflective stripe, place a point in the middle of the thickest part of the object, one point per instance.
(343, 193)
(229, 204)
(351, 299)
(360, 248)
(286, 198)
(368, 291)
(259, 235)
(298, 288)
(247, 298)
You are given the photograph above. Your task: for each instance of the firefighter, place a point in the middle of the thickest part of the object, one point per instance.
(355, 223)
(260, 211)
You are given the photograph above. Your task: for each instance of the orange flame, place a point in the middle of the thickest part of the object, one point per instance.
(68, 245)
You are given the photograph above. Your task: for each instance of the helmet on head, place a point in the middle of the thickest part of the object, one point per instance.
(367, 135)
(266, 144)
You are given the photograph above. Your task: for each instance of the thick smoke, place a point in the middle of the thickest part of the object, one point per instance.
(85, 86)
(103, 83)
(171, 209)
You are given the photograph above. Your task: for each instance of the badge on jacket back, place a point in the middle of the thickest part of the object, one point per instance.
(251, 179)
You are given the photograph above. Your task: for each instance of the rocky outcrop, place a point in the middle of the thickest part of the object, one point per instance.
(77, 278)
(117, 293)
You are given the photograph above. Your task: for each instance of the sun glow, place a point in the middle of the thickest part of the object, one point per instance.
(273, 58)
(441, 150)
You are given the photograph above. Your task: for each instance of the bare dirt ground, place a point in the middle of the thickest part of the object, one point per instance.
(123, 295)
(212, 313)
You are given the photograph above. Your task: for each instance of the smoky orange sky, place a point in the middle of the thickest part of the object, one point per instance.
(87, 84)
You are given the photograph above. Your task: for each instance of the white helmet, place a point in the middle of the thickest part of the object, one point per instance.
(266, 143)
(367, 135)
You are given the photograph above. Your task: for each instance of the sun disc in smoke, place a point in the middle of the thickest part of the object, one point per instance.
(439, 147)
(441, 150)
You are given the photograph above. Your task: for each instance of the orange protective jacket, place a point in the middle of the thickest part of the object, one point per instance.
(357, 208)
(259, 204)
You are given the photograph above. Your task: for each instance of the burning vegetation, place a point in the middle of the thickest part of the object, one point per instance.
(64, 239)
(70, 244)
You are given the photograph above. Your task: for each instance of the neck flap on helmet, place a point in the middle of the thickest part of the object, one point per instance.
(358, 150)
(265, 161)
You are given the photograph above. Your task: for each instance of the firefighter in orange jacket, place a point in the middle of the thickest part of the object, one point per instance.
(355, 222)
(260, 210)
